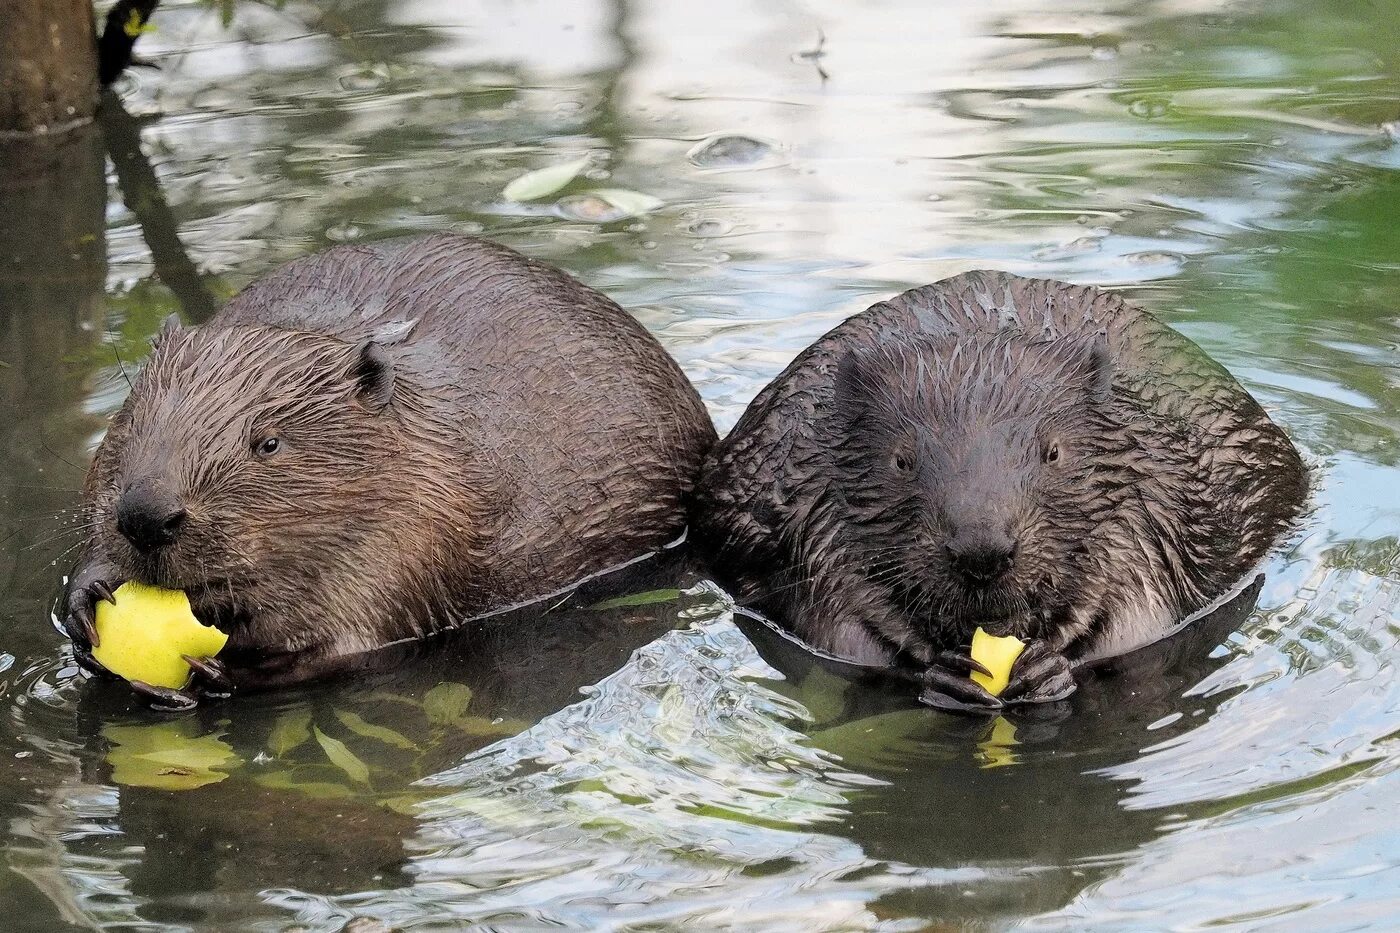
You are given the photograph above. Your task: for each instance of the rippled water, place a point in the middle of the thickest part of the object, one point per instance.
(1234, 167)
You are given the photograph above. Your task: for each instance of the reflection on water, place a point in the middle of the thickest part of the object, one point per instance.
(664, 764)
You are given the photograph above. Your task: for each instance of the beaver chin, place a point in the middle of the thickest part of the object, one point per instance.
(1000, 611)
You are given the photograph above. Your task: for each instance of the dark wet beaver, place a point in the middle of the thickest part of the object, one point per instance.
(1033, 457)
(375, 442)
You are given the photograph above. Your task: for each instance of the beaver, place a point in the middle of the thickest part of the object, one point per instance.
(1032, 457)
(377, 442)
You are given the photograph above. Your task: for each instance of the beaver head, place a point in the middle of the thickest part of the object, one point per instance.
(271, 474)
(970, 470)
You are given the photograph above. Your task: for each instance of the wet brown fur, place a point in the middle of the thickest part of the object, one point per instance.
(462, 429)
(831, 504)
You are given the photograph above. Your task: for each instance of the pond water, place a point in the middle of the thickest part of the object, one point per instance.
(658, 764)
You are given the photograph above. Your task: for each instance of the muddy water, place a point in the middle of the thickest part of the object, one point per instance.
(660, 764)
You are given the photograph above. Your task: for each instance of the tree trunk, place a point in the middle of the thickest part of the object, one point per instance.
(48, 65)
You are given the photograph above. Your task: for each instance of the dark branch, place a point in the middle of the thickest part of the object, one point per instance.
(125, 23)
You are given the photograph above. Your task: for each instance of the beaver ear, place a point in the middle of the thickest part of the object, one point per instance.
(1096, 368)
(374, 373)
(851, 382)
(170, 325)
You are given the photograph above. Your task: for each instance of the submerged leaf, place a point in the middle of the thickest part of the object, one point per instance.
(481, 726)
(446, 702)
(317, 790)
(545, 181)
(369, 730)
(648, 598)
(341, 756)
(407, 804)
(291, 730)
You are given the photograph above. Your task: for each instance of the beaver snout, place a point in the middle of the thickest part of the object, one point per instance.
(149, 516)
(981, 558)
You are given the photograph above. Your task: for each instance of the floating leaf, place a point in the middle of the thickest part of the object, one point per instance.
(446, 702)
(341, 756)
(545, 181)
(608, 205)
(291, 730)
(633, 202)
(369, 730)
(648, 598)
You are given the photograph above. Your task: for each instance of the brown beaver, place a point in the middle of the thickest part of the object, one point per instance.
(376, 442)
(1033, 457)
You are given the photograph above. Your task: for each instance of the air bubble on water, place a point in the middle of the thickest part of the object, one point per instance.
(709, 228)
(731, 151)
(343, 232)
(365, 78)
(1150, 108)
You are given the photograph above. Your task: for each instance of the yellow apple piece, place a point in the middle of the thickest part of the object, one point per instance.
(143, 636)
(996, 654)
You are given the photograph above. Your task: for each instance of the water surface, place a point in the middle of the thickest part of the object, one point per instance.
(1233, 167)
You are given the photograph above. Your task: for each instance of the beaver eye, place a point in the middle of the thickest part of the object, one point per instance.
(1052, 452)
(903, 463)
(268, 446)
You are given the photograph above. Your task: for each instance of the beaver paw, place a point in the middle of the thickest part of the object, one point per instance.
(947, 685)
(1040, 675)
(209, 680)
(79, 619)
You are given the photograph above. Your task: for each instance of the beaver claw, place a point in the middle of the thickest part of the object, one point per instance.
(211, 681)
(947, 686)
(79, 622)
(211, 677)
(1040, 675)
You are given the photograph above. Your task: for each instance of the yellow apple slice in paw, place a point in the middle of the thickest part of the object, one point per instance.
(145, 633)
(996, 654)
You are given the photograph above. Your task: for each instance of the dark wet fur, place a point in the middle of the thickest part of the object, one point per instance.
(461, 429)
(1134, 479)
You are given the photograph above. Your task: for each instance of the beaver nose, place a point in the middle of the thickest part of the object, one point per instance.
(149, 518)
(981, 560)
